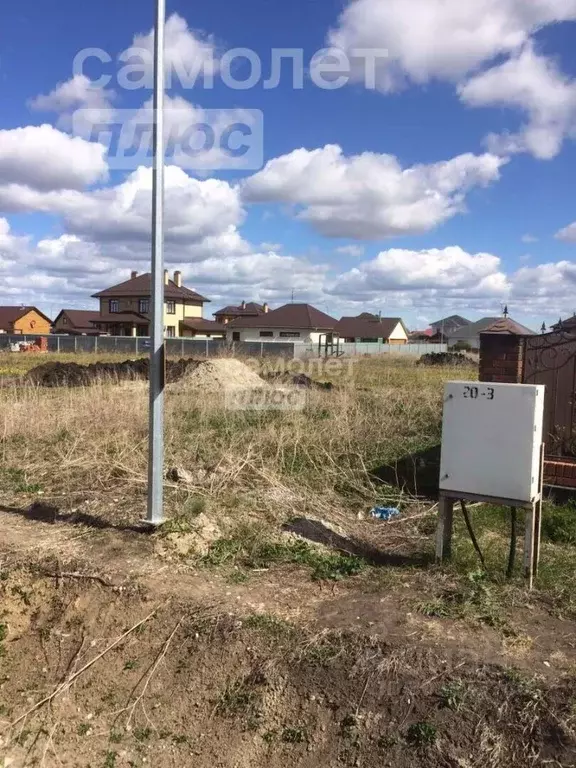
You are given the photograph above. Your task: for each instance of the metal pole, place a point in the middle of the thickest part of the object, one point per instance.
(157, 345)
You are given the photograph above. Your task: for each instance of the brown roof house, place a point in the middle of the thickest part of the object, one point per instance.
(245, 309)
(77, 322)
(292, 322)
(199, 328)
(372, 329)
(125, 308)
(24, 320)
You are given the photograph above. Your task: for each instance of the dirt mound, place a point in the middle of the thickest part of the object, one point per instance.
(56, 374)
(223, 375)
(446, 358)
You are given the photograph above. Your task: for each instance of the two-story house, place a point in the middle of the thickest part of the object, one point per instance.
(245, 309)
(125, 308)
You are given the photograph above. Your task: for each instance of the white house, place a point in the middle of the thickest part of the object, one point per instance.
(292, 322)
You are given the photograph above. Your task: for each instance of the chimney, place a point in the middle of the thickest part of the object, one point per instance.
(133, 274)
(243, 305)
(178, 278)
(166, 277)
(266, 308)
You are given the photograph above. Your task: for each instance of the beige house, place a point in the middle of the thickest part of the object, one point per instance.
(372, 329)
(125, 308)
(21, 320)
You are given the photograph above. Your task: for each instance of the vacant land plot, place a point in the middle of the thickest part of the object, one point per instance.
(271, 621)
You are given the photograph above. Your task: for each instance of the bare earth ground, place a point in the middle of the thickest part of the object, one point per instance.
(257, 647)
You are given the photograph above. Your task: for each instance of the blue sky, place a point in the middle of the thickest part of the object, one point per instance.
(448, 188)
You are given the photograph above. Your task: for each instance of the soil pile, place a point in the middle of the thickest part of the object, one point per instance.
(446, 358)
(223, 376)
(56, 374)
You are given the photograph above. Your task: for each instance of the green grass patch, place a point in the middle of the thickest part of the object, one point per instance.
(16, 480)
(475, 599)
(422, 734)
(248, 549)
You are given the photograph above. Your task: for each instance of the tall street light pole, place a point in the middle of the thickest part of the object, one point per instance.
(157, 351)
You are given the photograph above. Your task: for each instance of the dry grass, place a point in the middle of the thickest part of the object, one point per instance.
(68, 441)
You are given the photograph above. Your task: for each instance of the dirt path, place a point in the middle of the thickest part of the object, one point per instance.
(542, 643)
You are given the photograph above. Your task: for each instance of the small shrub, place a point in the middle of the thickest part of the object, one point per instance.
(294, 736)
(422, 734)
(452, 695)
(142, 734)
(559, 524)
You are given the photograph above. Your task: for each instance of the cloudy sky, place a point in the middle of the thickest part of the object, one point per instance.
(414, 157)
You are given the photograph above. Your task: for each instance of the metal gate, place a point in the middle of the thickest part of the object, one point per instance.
(550, 359)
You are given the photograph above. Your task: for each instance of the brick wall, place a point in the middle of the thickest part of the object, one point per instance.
(501, 358)
(560, 473)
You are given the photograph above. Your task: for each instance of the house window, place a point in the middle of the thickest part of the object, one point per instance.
(266, 334)
(235, 335)
(369, 341)
(64, 320)
(290, 334)
(170, 331)
(114, 306)
(171, 307)
(144, 306)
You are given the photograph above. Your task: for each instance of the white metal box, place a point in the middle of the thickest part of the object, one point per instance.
(491, 439)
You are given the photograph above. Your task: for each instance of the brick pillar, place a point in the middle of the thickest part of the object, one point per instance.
(501, 357)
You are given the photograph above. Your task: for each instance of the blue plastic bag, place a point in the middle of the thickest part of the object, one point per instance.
(384, 513)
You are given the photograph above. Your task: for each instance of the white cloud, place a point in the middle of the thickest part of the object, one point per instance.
(444, 39)
(180, 117)
(201, 215)
(370, 196)
(76, 93)
(450, 272)
(187, 52)
(263, 276)
(568, 234)
(535, 85)
(11, 246)
(351, 250)
(194, 209)
(545, 290)
(67, 270)
(43, 158)
(529, 239)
